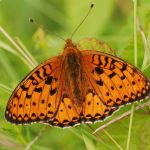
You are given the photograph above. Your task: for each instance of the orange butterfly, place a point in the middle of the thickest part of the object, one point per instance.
(76, 87)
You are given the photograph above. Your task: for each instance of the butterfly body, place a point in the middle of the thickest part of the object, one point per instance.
(78, 86)
(73, 73)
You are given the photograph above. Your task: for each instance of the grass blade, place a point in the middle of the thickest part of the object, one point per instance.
(88, 143)
(5, 88)
(112, 139)
(26, 51)
(135, 63)
(19, 50)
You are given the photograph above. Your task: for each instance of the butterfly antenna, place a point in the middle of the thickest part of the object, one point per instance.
(37, 25)
(92, 5)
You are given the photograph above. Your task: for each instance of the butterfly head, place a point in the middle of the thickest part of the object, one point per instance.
(70, 46)
(69, 43)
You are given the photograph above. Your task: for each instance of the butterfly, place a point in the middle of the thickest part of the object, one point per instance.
(76, 87)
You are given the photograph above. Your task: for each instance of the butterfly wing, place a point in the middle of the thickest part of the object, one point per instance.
(36, 98)
(111, 82)
(114, 81)
(42, 96)
(69, 114)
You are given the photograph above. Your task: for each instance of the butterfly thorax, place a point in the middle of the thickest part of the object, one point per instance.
(73, 73)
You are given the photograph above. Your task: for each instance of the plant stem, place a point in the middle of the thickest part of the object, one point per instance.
(135, 63)
(135, 32)
(130, 127)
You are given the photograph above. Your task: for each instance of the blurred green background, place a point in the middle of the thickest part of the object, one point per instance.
(110, 21)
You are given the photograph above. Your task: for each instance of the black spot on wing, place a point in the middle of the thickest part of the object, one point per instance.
(38, 74)
(31, 77)
(112, 75)
(28, 96)
(53, 91)
(124, 67)
(99, 58)
(24, 88)
(99, 82)
(98, 70)
(44, 72)
(49, 80)
(39, 90)
(106, 61)
(123, 77)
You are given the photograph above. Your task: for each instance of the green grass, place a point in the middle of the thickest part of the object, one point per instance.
(135, 63)
(111, 21)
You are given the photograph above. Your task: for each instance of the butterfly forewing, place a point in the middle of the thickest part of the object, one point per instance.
(115, 81)
(36, 98)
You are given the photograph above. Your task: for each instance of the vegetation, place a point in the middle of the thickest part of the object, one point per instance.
(111, 21)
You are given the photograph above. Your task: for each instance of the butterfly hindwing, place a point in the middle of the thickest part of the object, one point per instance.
(36, 97)
(114, 81)
(92, 109)
(68, 114)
